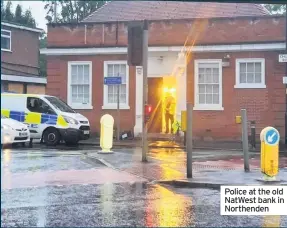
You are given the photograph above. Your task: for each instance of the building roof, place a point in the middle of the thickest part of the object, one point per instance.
(18, 26)
(168, 10)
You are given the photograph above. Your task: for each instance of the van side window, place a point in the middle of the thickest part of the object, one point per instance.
(35, 104)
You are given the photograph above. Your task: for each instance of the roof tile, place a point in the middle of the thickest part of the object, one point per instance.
(168, 10)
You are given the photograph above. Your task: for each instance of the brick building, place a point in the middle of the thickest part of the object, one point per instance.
(220, 58)
(20, 59)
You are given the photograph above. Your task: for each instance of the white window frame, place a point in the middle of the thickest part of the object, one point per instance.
(107, 105)
(10, 37)
(75, 105)
(208, 107)
(239, 85)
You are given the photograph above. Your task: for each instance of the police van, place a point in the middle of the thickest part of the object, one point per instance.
(48, 117)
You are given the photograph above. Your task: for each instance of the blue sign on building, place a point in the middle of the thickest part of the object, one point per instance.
(112, 80)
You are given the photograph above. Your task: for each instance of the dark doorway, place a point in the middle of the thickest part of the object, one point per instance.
(154, 99)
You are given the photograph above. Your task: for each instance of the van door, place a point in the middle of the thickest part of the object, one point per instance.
(39, 116)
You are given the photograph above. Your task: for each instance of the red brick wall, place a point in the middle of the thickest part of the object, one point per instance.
(265, 106)
(200, 31)
(57, 70)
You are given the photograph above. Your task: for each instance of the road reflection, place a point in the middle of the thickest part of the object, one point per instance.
(6, 173)
(271, 221)
(168, 210)
(107, 192)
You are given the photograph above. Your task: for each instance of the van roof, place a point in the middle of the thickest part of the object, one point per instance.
(25, 95)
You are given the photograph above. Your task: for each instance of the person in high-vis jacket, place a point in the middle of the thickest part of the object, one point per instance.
(169, 108)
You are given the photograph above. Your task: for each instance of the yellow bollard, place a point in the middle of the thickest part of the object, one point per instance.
(183, 121)
(106, 137)
(269, 138)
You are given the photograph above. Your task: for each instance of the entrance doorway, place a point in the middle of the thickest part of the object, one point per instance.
(159, 91)
(154, 99)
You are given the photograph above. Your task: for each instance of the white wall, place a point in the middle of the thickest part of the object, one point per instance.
(162, 64)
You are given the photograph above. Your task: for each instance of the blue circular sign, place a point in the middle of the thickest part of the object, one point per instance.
(272, 136)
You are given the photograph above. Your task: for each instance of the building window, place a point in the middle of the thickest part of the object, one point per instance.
(250, 73)
(5, 40)
(80, 85)
(116, 69)
(208, 85)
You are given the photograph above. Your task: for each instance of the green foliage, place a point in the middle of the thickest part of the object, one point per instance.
(18, 17)
(9, 16)
(276, 8)
(71, 11)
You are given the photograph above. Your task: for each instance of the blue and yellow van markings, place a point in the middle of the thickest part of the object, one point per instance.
(35, 118)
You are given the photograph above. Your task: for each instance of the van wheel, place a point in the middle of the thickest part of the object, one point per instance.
(51, 137)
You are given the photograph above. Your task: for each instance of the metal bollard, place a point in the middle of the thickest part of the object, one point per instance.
(184, 138)
(245, 140)
(253, 135)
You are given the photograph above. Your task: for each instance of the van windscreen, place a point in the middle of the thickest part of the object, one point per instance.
(60, 105)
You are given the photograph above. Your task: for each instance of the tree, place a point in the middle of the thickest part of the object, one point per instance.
(276, 8)
(28, 19)
(25, 19)
(9, 16)
(2, 11)
(71, 11)
(18, 14)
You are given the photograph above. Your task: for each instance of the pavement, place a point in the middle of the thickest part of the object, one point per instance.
(210, 168)
(177, 144)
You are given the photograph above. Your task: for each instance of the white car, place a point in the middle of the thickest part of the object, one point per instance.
(13, 131)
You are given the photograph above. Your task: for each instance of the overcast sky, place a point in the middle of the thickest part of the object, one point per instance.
(37, 9)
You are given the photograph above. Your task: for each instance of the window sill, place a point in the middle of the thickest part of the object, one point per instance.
(250, 86)
(208, 108)
(122, 106)
(6, 50)
(88, 107)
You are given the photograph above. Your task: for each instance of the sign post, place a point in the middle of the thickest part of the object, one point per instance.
(269, 138)
(189, 145)
(145, 88)
(115, 81)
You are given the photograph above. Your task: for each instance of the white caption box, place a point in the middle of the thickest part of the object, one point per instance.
(253, 200)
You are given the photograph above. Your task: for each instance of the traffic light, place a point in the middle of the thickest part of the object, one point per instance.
(147, 112)
(135, 44)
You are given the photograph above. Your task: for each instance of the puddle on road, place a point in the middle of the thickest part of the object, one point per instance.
(41, 161)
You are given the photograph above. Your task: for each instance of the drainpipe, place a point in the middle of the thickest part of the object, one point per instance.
(285, 76)
(85, 34)
(117, 33)
(103, 33)
(55, 12)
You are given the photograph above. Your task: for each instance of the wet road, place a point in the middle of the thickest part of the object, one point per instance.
(64, 189)
(120, 205)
